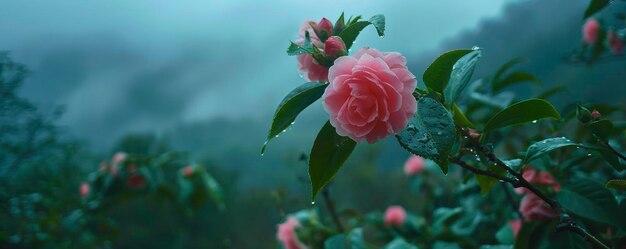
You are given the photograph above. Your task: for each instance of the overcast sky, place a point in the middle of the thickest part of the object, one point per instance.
(120, 66)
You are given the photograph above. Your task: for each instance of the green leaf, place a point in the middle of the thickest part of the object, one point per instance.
(505, 234)
(522, 112)
(514, 78)
(399, 243)
(430, 133)
(460, 75)
(507, 66)
(336, 242)
(437, 75)
(611, 159)
(296, 101)
(543, 147)
(595, 6)
(350, 33)
(328, 154)
(356, 239)
(551, 91)
(527, 236)
(601, 128)
(617, 184)
(460, 119)
(306, 48)
(589, 199)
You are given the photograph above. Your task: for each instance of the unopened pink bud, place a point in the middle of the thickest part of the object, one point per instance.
(119, 157)
(395, 216)
(414, 165)
(334, 45)
(188, 171)
(325, 25)
(595, 115)
(84, 189)
(615, 42)
(591, 29)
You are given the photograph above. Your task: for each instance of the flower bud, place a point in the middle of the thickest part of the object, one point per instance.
(188, 171)
(583, 114)
(414, 165)
(84, 189)
(324, 29)
(591, 30)
(395, 216)
(595, 115)
(474, 134)
(335, 46)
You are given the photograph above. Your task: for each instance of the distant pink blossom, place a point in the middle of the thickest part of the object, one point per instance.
(103, 166)
(395, 216)
(474, 134)
(136, 181)
(615, 42)
(308, 67)
(534, 208)
(84, 189)
(188, 171)
(119, 157)
(114, 170)
(132, 168)
(515, 225)
(538, 178)
(370, 95)
(334, 45)
(591, 30)
(414, 165)
(287, 234)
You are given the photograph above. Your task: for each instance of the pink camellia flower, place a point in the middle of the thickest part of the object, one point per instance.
(84, 189)
(414, 165)
(515, 225)
(119, 157)
(287, 234)
(188, 171)
(370, 95)
(615, 42)
(395, 216)
(136, 181)
(534, 208)
(538, 178)
(334, 45)
(307, 66)
(132, 168)
(310, 69)
(591, 29)
(325, 25)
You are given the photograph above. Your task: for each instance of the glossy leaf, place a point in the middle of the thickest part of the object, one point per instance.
(508, 65)
(595, 6)
(514, 78)
(522, 112)
(589, 199)
(430, 133)
(437, 75)
(460, 75)
(305, 48)
(616, 184)
(350, 33)
(543, 147)
(328, 154)
(296, 101)
(460, 119)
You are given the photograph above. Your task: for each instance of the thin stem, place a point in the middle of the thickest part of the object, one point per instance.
(606, 143)
(331, 209)
(568, 224)
(481, 171)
